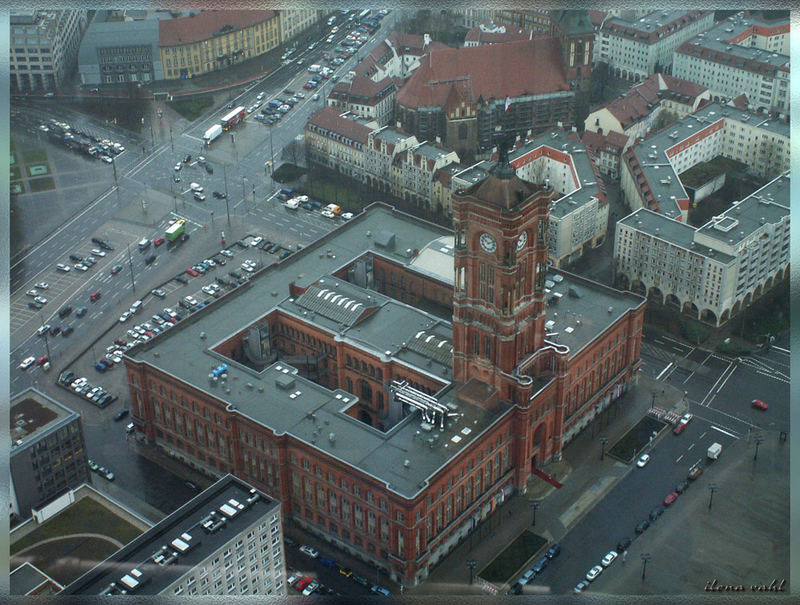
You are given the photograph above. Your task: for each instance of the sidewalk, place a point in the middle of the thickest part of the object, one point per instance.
(585, 478)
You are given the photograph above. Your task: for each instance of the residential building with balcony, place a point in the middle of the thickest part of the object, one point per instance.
(743, 54)
(635, 49)
(337, 140)
(713, 272)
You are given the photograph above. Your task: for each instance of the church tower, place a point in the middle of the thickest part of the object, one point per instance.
(500, 260)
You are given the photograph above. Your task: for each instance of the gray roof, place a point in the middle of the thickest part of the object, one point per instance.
(27, 577)
(588, 188)
(187, 519)
(117, 34)
(430, 151)
(769, 204)
(34, 414)
(651, 21)
(396, 331)
(717, 39)
(652, 152)
(577, 320)
(391, 135)
(672, 231)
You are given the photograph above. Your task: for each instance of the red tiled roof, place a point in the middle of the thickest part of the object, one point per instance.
(330, 119)
(633, 106)
(683, 87)
(494, 71)
(596, 17)
(476, 34)
(740, 102)
(203, 26)
(616, 139)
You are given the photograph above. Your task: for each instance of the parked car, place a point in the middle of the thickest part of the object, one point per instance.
(681, 487)
(580, 587)
(158, 292)
(380, 590)
(594, 572)
(120, 415)
(553, 551)
(643, 460)
(116, 269)
(670, 498)
(610, 557)
(94, 296)
(642, 526)
(311, 552)
(756, 403)
(656, 513)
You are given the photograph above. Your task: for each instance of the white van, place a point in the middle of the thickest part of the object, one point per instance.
(314, 69)
(144, 244)
(196, 187)
(292, 204)
(136, 306)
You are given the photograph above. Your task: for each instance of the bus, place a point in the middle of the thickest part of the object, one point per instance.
(362, 15)
(175, 230)
(232, 119)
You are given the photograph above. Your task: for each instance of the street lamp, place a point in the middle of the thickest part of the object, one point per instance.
(758, 441)
(645, 558)
(471, 563)
(534, 507)
(712, 488)
(603, 441)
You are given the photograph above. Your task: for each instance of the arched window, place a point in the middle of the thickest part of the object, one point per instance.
(366, 391)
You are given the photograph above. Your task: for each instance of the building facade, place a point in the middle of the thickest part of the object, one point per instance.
(212, 40)
(743, 54)
(337, 139)
(635, 49)
(651, 169)
(48, 451)
(293, 22)
(43, 47)
(714, 272)
(227, 540)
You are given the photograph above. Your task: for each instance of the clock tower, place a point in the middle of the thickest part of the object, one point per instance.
(500, 260)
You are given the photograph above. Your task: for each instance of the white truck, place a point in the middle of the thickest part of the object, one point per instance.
(212, 133)
(714, 451)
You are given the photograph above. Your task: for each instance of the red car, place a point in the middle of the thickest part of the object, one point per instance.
(679, 428)
(94, 296)
(671, 497)
(302, 583)
(757, 403)
(192, 272)
(158, 241)
(42, 360)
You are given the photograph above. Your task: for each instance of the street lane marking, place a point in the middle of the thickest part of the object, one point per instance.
(690, 447)
(716, 428)
(664, 370)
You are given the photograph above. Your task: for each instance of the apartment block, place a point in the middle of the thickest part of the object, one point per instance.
(712, 272)
(637, 48)
(43, 47)
(650, 169)
(48, 451)
(743, 54)
(227, 540)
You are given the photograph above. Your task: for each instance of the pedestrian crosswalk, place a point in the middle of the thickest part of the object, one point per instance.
(655, 352)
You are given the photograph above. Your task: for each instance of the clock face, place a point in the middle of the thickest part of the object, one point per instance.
(488, 243)
(523, 239)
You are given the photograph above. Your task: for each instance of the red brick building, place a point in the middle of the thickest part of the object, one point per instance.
(390, 408)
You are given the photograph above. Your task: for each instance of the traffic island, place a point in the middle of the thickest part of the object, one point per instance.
(630, 444)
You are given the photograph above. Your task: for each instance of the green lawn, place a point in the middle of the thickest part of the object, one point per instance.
(512, 558)
(194, 107)
(34, 155)
(66, 560)
(705, 171)
(86, 515)
(44, 184)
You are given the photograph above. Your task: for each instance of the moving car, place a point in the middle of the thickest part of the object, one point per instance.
(94, 296)
(42, 285)
(116, 269)
(756, 403)
(81, 311)
(679, 428)
(62, 267)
